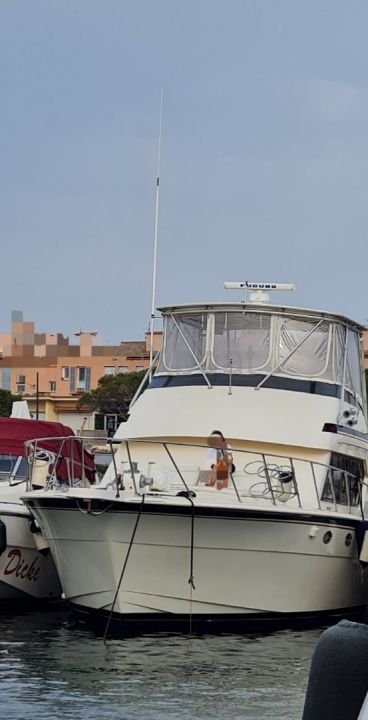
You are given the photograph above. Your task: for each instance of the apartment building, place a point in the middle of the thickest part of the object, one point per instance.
(51, 372)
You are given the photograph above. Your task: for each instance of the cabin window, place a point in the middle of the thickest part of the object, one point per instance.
(343, 480)
(304, 347)
(242, 338)
(348, 363)
(184, 332)
(353, 373)
(340, 333)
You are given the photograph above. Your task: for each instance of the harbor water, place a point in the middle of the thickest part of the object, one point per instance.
(51, 667)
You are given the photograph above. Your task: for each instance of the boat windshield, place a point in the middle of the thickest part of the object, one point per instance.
(304, 348)
(252, 342)
(12, 468)
(242, 338)
(185, 342)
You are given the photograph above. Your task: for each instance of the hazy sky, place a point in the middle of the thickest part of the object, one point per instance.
(264, 155)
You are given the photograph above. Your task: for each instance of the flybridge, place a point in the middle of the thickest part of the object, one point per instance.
(259, 291)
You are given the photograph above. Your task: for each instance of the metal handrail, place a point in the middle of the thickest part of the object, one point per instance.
(264, 460)
(295, 484)
(32, 447)
(270, 488)
(316, 487)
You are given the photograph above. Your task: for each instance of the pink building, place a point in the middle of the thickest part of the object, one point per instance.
(62, 371)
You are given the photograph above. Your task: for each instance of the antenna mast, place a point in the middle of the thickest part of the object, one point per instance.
(154, 270)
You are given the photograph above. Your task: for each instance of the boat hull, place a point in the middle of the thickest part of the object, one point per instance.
(116, 623)
(25, 573)
(205, 563)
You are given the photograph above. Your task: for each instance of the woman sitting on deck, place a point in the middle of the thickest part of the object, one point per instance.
(220, 460)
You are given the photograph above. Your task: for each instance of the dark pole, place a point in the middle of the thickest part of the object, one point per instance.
(37, 396)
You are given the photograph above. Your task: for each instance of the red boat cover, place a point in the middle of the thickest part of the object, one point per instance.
(14, 432)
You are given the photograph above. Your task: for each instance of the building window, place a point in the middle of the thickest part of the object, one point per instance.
(123, 369)
(65, 373)
(139, 368)
(109, 370)
(109, 423)
(5, 378)
(52, 385)
(83, 378)
(21, 383)
(99, 421)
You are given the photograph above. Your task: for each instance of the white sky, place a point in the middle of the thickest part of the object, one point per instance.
(264, 155)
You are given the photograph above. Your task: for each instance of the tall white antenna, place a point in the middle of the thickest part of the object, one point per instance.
(154, 270)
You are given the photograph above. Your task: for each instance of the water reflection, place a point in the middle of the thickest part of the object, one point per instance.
(52, 668)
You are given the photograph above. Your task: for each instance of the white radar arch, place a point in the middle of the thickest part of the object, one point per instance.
(258, 290)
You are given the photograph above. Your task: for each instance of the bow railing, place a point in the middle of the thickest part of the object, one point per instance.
(163, 468)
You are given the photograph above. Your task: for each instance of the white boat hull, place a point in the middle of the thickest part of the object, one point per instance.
(25, 573)
(244, 563)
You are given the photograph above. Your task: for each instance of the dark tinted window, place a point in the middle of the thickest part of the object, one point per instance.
(12, 466)
(21, 469)
(343, 480)
(6, 463)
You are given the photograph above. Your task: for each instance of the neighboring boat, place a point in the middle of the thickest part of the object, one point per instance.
(154, 542)
(27, 570)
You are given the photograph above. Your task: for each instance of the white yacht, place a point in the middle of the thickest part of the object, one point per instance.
(157, 541)
(27, 569)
